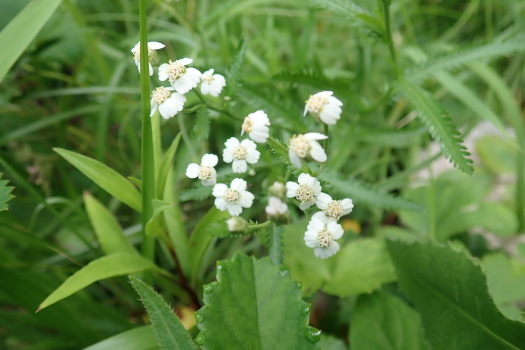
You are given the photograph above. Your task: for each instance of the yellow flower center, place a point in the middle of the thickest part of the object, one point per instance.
(232, 196)
(175, 70)
(324, 238)
(205, 173)
(300, 146)
(136, 53)
(240, 152)
(334, 210)
(304, 193)
(160, 94)
(207, 78)
(316, 103)
(247, 125)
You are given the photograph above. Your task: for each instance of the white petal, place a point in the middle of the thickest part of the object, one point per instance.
(322, 201)
(310, 239)
(153, 108)
(291, 189)
(192, 171)
(335, 101)
(248, 144)
(185, 61)
(347, 205)
(219, 190)
(221, 204)
(150, 70)
(315, 224)
(205, 88)
(209, 160)
(238, 185)
(317, 152)
(209, 72)
(232, 142)
(155, 45)
(315, 136)
(320, 215)
(239, 166)
(234, 209)
(335, 228)
(295, 160)
(306, 205)
(253, 156)
(306, 179)
(329, 118)
(246, 199)
(227, 155)
(209, 182)
(163, 72)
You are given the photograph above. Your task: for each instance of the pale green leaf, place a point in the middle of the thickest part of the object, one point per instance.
(108, 266)
(107, 178)
(253, 305)
(141, 338)
(21, 31)
(169, 331)
(449, 291)
(439, 124)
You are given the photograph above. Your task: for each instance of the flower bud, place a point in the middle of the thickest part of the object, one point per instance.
(236, 224)
(278, 189)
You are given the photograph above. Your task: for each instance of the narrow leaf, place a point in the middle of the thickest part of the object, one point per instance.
(5, 193)
(253, 305)
(169, 331)
(140, 338)
(439, 124)
(166, 164)
(107, 178)
(21, 31)
(106, 227)
(108, 266)
(449, 290)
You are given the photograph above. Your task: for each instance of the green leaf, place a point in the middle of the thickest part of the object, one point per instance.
(154, 225)
(21, 31)
(362, 266)
(166, 164)
(107, 178)
(106, 227)
(362, 192)
(169, 331)
(497, 154)
(233, 73)
(253, 305)
(439, 124)
(5, 193)
(108, 266)
(201, 129)
(197, 193)
(140, 338)
(383, 321)
(449, 290)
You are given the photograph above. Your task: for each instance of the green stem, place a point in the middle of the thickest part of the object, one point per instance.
(388, 35)
(256, 227)
(148, 162)
(276, 245)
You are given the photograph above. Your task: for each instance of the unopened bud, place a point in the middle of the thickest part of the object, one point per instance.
(236, 224)
(278, 189)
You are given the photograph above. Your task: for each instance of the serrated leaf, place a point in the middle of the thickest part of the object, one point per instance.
(201, 128)
(5, 193)
(105, 177)
(198, 193)
(438, 123)
(140, 338)
(106, 227)
(362, 266)
(383, 321)
(233, 73)
(169, 331)
(108, 266)
(362, 192)
(280, 149)
(253, 305)
(460, 57)
(449, 291)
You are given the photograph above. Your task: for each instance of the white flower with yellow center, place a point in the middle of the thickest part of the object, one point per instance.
(331, 209)
(305, 146)
(240, 153)
(169, 103)
(321, 235)
(324, 106)
(276, 207)
(153, 57)
(206, 171)
(234, 198)
(306, 191)
(256, 125)
(182, 79)
(212, 84)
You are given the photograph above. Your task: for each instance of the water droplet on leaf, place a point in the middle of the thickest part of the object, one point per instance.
(199, 318)
(313, 335)
(299, 285)
(306, 310)
(208, 289)
(199, 340)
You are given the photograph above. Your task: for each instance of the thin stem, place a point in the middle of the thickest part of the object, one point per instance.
(276, 245)
(388, 35)
(255, 227)
(148, 161)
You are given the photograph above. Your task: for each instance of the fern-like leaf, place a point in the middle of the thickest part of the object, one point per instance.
(458, 58)
(5, 193)
(280, 149)
(201, 129)
(439, 124)
(233, 73)
(198, 193)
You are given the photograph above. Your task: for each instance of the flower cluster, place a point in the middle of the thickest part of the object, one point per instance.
(170, 100)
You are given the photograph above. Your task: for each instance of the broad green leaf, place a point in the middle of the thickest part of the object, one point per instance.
(449, 291)
(362, 192)
(21, 31)
(253, 305)
(108, 266)
(169, 331)
(106, 227)
(362, 266)
(141, 338)
(5, 193)
(439, 124)
(497, 154)
(383, 321)
(107, 178)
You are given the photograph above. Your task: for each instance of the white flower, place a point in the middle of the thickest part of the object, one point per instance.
(324, 106)
(205, 172)
(236, 224)
(276, 207)
(306, 191)
(240, 153)
(182, 79)
(256, 125)
(321, 235)
(278, 189)
(169, 103)
(331, 209)
(306, 146)
(234, 198)
(152, 54)
(212, 84)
